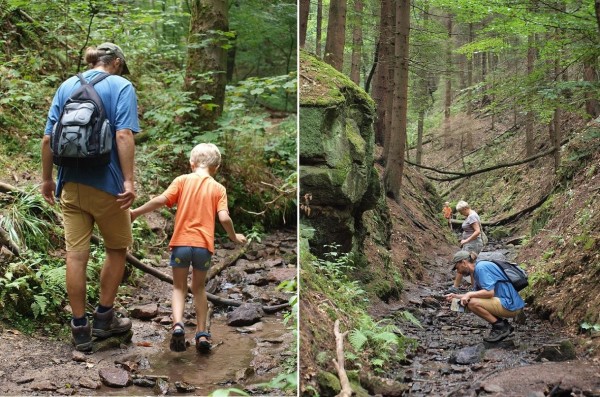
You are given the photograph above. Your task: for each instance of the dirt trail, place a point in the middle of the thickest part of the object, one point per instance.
(521, 365)
(242, 356)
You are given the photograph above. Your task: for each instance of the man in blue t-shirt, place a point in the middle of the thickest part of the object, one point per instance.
(493, 297)
(101, 195)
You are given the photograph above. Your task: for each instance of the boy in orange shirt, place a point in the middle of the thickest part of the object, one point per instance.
(447, 211)
(200, 199)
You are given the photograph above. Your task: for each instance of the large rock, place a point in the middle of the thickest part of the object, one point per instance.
(468, 355)
(115, 377)
(246, 314)
(336, 155)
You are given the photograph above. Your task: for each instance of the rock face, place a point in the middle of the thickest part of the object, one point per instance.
(336, 155)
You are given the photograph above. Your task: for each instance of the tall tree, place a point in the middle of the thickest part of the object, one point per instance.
(382, 81)
(207, 59)
(336, 34)
(356, 41)
(394, 168)
(529, 116)
(448, 92)
(592, 107)
(319, 27)
(304, 10)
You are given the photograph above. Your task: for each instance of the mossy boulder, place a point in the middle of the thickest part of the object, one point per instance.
(329, 384)
(336, 155)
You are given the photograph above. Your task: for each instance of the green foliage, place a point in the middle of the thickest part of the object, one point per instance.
(232, 391)
(380, 341)
(591, 328)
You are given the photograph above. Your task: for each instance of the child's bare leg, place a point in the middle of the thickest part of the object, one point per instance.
(200, 301)
(180, 275)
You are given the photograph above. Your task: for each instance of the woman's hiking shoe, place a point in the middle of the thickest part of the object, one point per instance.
(178, 338)
(81, 336)
(107, 324)
(203, 346)
(453, 290)
(498, 332)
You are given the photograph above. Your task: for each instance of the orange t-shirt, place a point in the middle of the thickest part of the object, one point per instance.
(198, 198)
(447, 212)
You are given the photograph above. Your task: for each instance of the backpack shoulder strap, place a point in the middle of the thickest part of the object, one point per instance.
(99, 78)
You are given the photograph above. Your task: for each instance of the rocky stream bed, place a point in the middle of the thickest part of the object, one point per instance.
(250, 346)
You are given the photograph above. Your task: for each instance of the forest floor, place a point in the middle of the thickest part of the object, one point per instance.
(243, 357)
(538, 359)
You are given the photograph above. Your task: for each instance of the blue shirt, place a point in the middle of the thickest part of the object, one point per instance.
(120, 103)
(489, 276)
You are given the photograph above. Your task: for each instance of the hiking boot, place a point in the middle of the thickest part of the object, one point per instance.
(498, 332)
(511, 328)
(81, 337)
(107, 324)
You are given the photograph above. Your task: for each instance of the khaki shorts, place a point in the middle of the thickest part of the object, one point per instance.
(82, 206)
(494, 306)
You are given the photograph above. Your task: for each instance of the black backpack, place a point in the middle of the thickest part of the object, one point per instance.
(515, 275)
(82, 136)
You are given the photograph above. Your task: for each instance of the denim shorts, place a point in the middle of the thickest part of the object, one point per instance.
(198, 257)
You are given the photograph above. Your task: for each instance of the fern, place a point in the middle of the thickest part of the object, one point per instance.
(406, 315)
(357, 339)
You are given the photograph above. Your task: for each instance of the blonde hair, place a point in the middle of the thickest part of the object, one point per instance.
(205, 155)
(461, 205)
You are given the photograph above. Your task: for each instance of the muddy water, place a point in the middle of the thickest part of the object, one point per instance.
(232, 353)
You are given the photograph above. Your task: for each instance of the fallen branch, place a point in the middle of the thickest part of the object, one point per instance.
(6, 241)
(459, 175)
(339, 363)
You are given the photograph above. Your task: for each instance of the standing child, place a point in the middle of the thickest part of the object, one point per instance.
(447, 211)
(199, 199)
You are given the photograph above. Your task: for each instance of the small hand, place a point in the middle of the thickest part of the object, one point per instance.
(47, 189)
(133, 215)
(449, 297)
(127, 197)
(240, 238)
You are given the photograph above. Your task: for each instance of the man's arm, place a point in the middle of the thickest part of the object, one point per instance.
(48, 185)
(126, 149)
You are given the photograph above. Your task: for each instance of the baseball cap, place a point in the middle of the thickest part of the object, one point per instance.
(459, 256)
(111, 48)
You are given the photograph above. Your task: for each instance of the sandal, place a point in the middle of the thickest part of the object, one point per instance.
(203, 346)
(178, 338)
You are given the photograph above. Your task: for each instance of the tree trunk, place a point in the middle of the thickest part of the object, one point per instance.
(597, 7)
(336, 34)
(448, 94)
(304, 10)
(207, 65)
(381, 83)
(356, 42)
(420, 123)
(469, 142)
(389, 83)
(529, 118)
(395, 162)
(590, 75)
(319, 28)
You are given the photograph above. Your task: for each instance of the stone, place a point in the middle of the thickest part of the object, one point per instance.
(492, 388)
(144, 312)
(243, 374)
(65, 391)
(115, 377)
(382, 386)
(44, 385)
(279, 275)
(183, 387)
(468, 355)
(161, 387)
(328, 383)
(257, 279)
(144, 382)
(25, 379)
(88, 383)
(112, 342)
(79, 356)
(560, 352)
(246, 314)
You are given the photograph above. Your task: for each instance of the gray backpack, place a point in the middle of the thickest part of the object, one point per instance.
(82, 136)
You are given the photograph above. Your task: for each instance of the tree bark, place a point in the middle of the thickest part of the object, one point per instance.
(395, 161)
(319, 28)
(381, 81)
(592, 106)
(357, 41)
(304, 11)
(448, 93)
(597, 8)
(529, 117)
(207, 65)
(336, 34)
